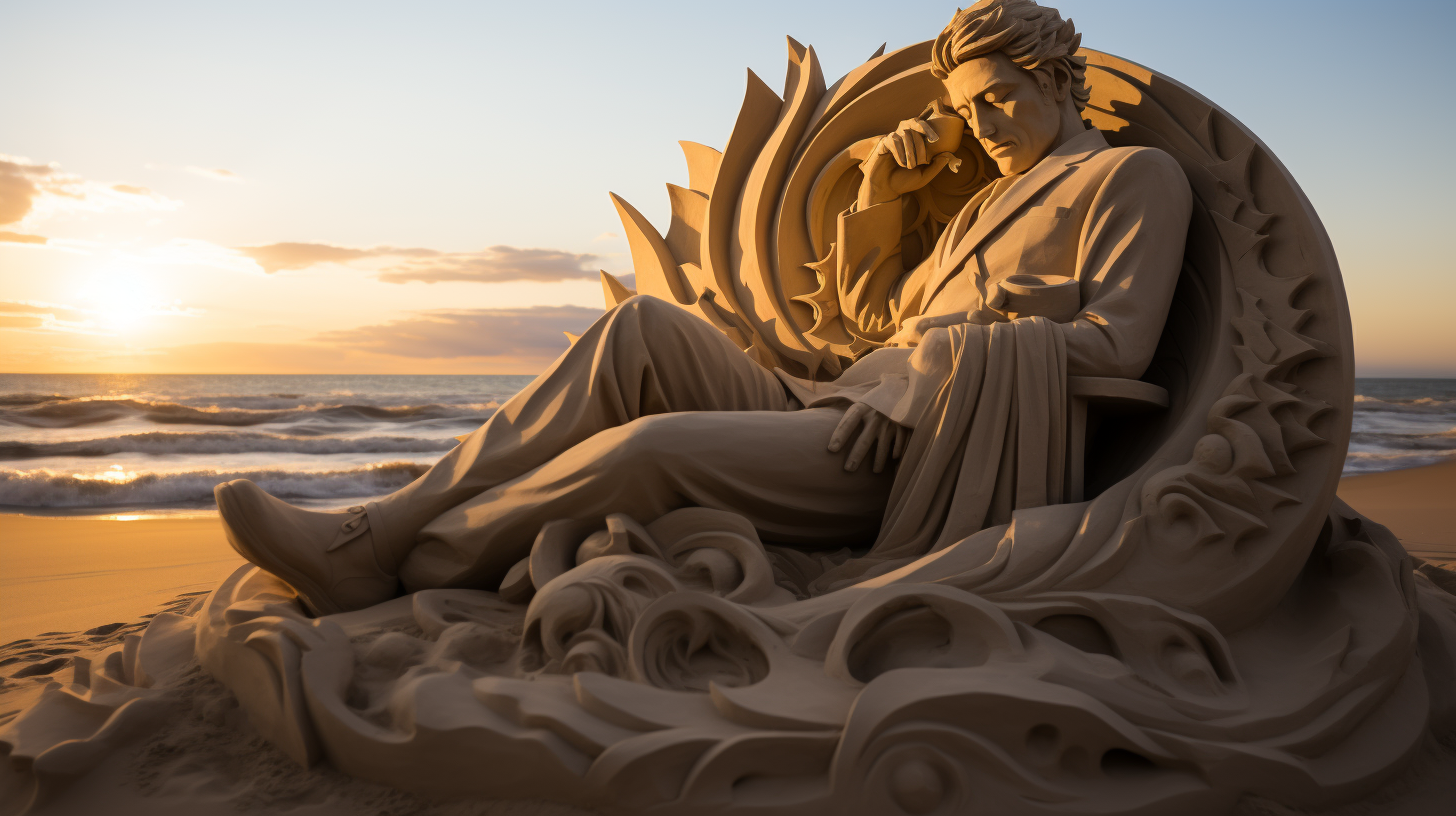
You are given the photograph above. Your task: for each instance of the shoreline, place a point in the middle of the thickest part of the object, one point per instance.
(68, 572)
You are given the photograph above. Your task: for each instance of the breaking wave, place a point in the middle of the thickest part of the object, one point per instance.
(1421, 405)
(159, 443)
(47, 488)
(1442, 441)
(52, 412)
(1357, 462)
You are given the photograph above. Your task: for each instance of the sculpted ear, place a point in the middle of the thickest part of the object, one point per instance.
(1061, 79)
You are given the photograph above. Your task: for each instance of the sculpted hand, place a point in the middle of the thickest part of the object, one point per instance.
(913, 330)
(878, 432)
(906, 160)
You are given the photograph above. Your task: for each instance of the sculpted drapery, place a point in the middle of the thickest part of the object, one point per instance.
(988, 397)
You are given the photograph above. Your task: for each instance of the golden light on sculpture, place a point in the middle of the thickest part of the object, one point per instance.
(969, 442)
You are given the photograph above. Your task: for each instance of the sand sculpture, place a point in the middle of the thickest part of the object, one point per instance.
(987, 466)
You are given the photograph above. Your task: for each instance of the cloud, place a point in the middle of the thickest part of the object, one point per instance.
(44, 316)
(497, 263)
(530, 333)
(214, 173)
(491, 265)
(18, 188)
(606, 236)
(53, 318)
(463, 341)
(278, 257)
(18, 238)
(31, 192)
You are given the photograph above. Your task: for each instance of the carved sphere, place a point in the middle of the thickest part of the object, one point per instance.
(917, 787)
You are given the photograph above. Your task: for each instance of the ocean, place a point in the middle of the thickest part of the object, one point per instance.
(156, 444)
(117, 444)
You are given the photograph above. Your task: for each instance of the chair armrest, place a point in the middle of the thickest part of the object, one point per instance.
(1117, 391)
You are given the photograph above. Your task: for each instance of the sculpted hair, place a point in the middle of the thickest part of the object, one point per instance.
(1033, 37)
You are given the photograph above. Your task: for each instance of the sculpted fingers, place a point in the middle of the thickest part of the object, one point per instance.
(902, 435)
(930, 171)
(884, 444)
(846, 426)
(899, 149)
(867, 436)
(924, 129)
(911, 135)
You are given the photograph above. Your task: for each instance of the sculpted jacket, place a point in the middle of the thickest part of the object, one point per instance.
(993, 390)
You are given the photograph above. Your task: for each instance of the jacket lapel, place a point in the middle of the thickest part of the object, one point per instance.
(1077, 149)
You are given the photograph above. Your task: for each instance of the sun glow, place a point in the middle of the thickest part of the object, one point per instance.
(124, 300)
(115, 475)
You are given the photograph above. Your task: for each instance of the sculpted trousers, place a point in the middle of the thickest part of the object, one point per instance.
(651, 410)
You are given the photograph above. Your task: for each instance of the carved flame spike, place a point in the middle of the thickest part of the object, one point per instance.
(702, 166)
(657, 272)
(613, 290)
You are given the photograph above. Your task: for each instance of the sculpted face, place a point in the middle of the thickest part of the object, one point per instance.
(1015, 120)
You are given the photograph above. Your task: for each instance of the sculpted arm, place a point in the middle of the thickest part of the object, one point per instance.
(870, 276)
(1130, 255)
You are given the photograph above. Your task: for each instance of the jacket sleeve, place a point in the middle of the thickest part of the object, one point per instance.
(874, 291)
(1128, 261)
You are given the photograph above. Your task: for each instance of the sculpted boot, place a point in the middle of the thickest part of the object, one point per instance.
(336, 561)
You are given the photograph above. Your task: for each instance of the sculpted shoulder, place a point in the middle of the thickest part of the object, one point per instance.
(1149, 166)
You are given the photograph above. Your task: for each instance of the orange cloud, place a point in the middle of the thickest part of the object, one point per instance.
(33, 191)
(491, 265)
(533, 333)
(294, 255)
(19, 238)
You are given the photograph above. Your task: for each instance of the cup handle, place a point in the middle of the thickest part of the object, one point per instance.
(996, 297)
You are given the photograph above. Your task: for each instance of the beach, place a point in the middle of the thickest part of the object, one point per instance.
(1417, 504)
(73, 574)
(61, 574)
(76, 586)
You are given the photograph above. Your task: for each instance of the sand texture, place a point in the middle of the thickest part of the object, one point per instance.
(1418, 505)
(72, 574)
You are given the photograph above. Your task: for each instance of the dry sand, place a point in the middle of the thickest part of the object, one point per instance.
(72, 574)
(1418, 505)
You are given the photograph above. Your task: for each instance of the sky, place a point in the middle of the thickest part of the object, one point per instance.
(421, 187)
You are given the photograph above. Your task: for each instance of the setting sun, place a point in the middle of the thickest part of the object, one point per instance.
(124, 300)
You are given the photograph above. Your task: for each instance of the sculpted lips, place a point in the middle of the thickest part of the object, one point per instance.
(1006, 145)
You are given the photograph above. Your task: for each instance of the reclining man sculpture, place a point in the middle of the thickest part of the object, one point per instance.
(1213, 625)
(653, 409)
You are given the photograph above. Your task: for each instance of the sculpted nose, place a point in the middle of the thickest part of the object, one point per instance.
(981, 128)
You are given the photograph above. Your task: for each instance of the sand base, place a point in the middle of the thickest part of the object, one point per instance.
(62, 575)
